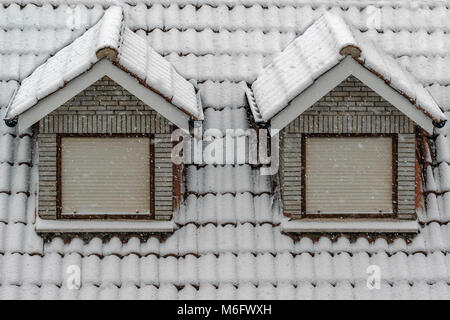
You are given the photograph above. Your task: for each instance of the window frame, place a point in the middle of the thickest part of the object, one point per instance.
(61, 216)
(393, 136)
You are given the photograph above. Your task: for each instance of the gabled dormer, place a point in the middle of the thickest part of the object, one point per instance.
(348, 116)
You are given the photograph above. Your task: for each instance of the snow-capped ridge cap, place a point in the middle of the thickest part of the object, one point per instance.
(109, 33)
(343, 35)
(351, 50)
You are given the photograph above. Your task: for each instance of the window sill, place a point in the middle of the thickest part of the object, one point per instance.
(350, 226)
(62, 226)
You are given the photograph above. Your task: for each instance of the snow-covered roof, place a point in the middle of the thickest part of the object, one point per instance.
(111, 38)
(320, 48)
(228, 243)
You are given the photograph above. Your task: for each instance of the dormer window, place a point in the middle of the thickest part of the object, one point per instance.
(104, 154)
(104, 176)
(349, 175)
(347, 116)
(104, 119)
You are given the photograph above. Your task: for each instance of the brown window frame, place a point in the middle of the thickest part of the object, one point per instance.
(59, 214)
(394, 213)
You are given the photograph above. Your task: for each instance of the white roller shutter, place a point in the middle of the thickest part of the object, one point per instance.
(106, 175)
(348, 175)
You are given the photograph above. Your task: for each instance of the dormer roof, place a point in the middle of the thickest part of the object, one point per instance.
(112, 40)
(323, 46)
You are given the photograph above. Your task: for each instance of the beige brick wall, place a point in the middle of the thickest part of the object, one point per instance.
(104, 108)
(163, 177)
(350, 108)
(406, 175)
(290, 173)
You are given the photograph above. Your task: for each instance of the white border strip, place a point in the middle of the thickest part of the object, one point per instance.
(351, 226)
(46, 226)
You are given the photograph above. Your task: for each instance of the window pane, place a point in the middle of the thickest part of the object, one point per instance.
(105, 175)
(348, 175)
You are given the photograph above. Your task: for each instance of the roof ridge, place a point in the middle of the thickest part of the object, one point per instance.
(343, 34)
(109, 36)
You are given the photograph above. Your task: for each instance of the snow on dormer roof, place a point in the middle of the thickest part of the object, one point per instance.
(110, 38)
(321, 47)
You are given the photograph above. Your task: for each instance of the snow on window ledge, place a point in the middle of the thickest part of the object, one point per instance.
(61, 226)
(351, 226)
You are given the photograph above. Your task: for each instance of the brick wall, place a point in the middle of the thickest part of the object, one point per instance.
(47, 175)
(350, 108)
(104, 108)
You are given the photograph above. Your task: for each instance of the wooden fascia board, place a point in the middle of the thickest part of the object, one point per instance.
(390, 95)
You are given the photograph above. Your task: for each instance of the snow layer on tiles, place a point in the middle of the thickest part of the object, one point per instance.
(315, 52)
(249, 223)
(48, 16)
(141, 60)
